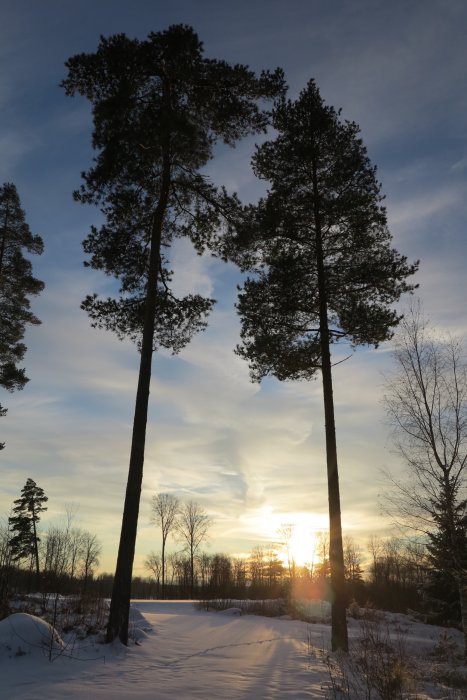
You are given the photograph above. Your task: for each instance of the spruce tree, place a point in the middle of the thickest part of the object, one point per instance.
(324, 270)
(159, 108)
(24, 542)
(17, 284)
(447, 554)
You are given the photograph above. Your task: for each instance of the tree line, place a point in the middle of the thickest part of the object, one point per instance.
(410, 572)
(388, 573)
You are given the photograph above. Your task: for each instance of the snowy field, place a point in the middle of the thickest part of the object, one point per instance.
(184, 653)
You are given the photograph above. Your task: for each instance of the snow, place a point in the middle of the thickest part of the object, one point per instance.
(185, 653)
(22, 634)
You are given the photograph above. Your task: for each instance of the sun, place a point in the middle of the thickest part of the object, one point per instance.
(302, 539)
(301, 548)
(298, 538)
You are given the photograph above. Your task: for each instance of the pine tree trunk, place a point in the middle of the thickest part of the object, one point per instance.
(121, 591)
(339, 635)
(5, 225)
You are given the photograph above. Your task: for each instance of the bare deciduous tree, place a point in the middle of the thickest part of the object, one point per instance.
(91, 551)
(192, 527)
(153, 564)
(352, 559)
(322, 551)
(165, 508)
(426, 401)
(285, 532)
(5, 561)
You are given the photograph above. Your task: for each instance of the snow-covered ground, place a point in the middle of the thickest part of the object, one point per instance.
(184, 653)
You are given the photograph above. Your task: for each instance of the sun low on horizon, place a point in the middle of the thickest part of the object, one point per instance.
(298, 538)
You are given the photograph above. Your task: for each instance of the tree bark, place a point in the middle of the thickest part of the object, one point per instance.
(3, 243)
(339, 635)
(121, 591)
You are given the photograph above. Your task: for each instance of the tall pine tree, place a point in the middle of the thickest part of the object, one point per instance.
(324, 270)
(159, 108)
(24, 542)
(17, 284)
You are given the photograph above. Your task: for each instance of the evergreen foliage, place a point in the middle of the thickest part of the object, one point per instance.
(24, 542)
(324, 269)
(323, 215)
(17, 284)
(159, 108)
(447, 554)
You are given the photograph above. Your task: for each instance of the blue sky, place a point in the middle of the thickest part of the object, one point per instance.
(252, 455)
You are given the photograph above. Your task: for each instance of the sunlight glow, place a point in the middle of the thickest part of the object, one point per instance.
(297, 536)
(302, 547)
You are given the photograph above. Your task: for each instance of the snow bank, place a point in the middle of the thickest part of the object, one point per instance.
(22, 634)
(138, 626)
(231, 611)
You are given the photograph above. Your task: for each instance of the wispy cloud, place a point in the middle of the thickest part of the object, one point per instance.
(417, 209)
(252, 455)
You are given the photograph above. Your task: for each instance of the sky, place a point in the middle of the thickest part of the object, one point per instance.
(251, 455)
